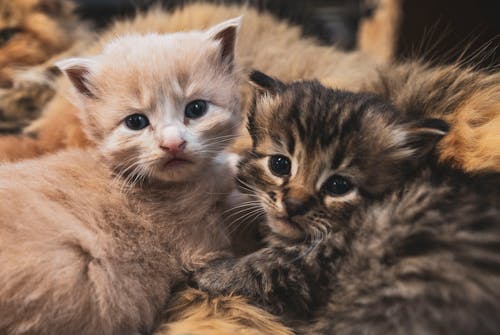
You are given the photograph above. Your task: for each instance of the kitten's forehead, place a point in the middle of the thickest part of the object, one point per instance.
(325, 131)
(316, 117)
(156, 55)
(141, 68)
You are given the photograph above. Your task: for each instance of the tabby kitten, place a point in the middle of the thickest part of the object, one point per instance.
(92, 241)
(366, 234)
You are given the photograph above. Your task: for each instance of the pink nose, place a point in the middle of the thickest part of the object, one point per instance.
(174, 147)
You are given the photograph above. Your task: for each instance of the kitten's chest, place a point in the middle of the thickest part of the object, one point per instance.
(177, 216)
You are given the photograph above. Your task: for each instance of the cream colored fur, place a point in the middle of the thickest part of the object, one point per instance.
(92, 241)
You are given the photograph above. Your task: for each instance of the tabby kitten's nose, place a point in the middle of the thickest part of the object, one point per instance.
(294, 207)
(174, 147)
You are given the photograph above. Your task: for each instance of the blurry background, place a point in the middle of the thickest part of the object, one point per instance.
(439, 30)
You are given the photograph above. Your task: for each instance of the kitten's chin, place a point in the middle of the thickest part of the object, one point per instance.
(176, 170)
(285, 228)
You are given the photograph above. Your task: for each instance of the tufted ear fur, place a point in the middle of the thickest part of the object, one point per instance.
(78, 72)
(264, 83)
(226, 32)
(422, 135)
(265, 87)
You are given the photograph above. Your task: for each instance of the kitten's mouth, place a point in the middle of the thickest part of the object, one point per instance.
(285, 226)
(286, 220)
(176, 162)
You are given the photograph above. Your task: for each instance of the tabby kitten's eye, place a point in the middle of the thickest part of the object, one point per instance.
(136, 121)
(337, 185)
(195, 109)
(280, 165)
(7, 33)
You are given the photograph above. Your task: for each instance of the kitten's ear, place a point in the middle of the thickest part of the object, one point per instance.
(424, 134)
(264, 83)
(226, 32)
(77, 70)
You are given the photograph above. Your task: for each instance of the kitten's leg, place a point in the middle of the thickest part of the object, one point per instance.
(277, 279)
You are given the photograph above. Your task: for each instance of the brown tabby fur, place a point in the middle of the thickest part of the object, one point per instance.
(366, 233)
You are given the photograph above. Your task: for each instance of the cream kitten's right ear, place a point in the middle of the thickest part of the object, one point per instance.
(226, 32)
(78, 70)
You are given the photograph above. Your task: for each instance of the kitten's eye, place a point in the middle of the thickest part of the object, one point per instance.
(337, 185)
(7, 33)
(136, 121)
(195, 109)
(280, 165)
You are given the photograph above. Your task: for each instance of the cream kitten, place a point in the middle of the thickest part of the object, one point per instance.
(92, 242)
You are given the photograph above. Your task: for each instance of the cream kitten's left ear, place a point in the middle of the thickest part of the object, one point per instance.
(226, 32)
(78, 70)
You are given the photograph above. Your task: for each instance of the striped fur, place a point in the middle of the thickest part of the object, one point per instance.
(412, 248)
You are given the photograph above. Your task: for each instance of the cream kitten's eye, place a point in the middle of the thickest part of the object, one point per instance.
(195, 109)
(280, 165)
(337, 185)
(136, 121)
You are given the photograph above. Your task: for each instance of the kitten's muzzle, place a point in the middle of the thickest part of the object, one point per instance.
(174, 147)
(295, 207)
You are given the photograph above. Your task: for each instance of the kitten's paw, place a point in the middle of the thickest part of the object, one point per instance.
(212, 279)
(199, 260)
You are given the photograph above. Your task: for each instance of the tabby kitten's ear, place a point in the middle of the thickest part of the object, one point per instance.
(264, 83)
(226, 32)
(264, 87)
(78, 72)
(422, 136)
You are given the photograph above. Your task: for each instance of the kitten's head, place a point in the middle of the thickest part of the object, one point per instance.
(318, 153)
(160, 105)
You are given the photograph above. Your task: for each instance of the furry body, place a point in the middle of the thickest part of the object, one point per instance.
(91, 259)
(366, 234)
(423, 260)
(93, 241)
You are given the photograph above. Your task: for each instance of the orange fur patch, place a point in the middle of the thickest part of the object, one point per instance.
(193, 312)
(474, 139)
